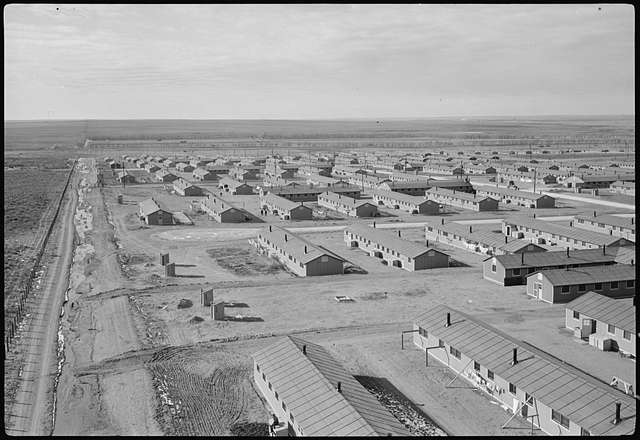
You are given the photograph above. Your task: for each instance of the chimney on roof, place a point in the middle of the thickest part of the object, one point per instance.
(304, 349)
(514, 360)
(399, 234)
(269, 228)
(521, 253)
(632, 220)
(594, 213)
(617, 418)
(604, 249)
(374, 224)
(339, 387)
(567, 251)
(442, 221)
(305, 248)
(470, 229)
(448, 323)
(534, 215)
(286, 238)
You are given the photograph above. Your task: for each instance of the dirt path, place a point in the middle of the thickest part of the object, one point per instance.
(104, 403)
(30, 414)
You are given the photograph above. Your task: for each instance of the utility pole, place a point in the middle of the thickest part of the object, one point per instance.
(535, 170)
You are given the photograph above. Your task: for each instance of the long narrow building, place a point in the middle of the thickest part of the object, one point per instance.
(299, 255)
(392, 249)
(223, 211)
(554, 234)
(347, 205)
(461, 199)
(285, 208)
(405, 202)
(563, 285)
(552, 394)
(480, 241)
(608, 224)
(516, 197)
(311, 394)
(512, 269)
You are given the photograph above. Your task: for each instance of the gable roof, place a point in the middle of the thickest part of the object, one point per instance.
(582, 398)
(345, 200)
(511, 192)
(391, 240)
(148, 207)
(589, 274)
(612, 220)
(295, 245)
(282, 203)
(565, 231)
(406, 198)
(620, 312)
(307, 385)
(556, 258)
(460, 195)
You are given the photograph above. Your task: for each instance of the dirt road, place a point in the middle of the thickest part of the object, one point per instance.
(30, 414)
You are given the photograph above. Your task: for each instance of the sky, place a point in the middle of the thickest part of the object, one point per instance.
(316, 61)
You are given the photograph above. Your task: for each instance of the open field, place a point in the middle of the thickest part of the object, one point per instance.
(135, 353)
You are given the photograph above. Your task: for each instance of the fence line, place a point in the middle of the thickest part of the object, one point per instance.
(18, 313)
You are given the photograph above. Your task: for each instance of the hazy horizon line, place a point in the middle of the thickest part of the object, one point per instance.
(395, 118)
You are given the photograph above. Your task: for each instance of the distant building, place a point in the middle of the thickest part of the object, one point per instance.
(626, 188)
(152, 214)
(392, 249)
(224, 212)
(347, 205)
(483, 242)
(554, 234)
(234, 187)
(412, 204)
(510, 270)
(124, 177)
(608, 224)
(599, 318)
(201, 175)
(165, 176)
(185, 188)
(463, 200)
(285, 208)
(593, 181)
(298, 254)
(563, 285)
(515, 197)
(185, 167)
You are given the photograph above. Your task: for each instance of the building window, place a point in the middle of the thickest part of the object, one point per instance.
(630, 283)
(324, 259)
(284, 407)
(490, 374)
(614, 284)
(581, 287)
(611, 329)
(516, 271)
(454, 352)
(565, 289)
(576, 315)
(493, 268)
(270, 386)
(626, 335)
(440, 343)
(559, 418)
(512, 388)
(598, 286)
(276, 393)
(476, 366)
(257, 367)
(264, 377)
(584, 432)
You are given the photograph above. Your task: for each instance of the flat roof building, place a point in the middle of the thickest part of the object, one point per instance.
(299, 255)
(392, 249)
(552, 394)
